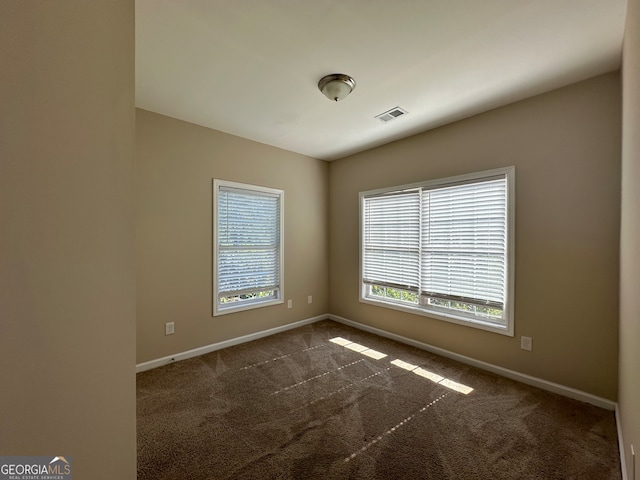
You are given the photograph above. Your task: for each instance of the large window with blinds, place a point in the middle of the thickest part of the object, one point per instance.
(247, 246)
(442, 248)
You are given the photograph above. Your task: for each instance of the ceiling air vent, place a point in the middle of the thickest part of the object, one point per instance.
(391, 114)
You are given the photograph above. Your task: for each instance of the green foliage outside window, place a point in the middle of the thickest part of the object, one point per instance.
(395, 294)
(405, 296)
(467, 307)
(247, 296)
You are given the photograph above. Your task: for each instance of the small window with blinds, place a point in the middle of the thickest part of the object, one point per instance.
(443, 248)
(247, 244)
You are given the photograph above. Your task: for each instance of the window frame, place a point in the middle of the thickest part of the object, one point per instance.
(249, 304)
(449, 315)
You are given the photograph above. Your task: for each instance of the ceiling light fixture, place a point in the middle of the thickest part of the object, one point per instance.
(336, 86)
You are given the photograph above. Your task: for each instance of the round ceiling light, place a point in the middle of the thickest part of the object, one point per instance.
(336, 86)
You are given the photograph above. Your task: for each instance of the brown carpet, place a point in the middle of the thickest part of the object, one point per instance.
(297, 405)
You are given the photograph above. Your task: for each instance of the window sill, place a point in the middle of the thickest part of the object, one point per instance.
(244, 306)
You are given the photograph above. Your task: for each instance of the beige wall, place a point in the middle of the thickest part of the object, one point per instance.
(67, 277)
(566, 149)
(629, 394)
(175, 165)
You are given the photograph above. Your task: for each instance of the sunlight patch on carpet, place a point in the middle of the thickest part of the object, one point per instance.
(356, 347)
(434, 377)
(458, 387)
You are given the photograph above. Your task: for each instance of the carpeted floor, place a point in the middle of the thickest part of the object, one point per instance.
(316, 403)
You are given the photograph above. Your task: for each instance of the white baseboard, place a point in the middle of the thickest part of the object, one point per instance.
(141, 367)
(505, 372)
(621, 445)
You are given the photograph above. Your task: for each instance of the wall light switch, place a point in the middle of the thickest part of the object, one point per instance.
(309, 299)
(526, 343)
(289, 303)
(169, 328)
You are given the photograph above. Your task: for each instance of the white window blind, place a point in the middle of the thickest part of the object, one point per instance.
(392, 240)
(248, 246)
(464, 242)
(443, 247)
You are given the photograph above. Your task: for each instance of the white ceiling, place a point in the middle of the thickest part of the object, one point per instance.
(251, 67)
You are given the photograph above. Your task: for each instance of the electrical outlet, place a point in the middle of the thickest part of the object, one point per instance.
(289, 303)
(526, 343)
(169, 328)
(309, 299)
